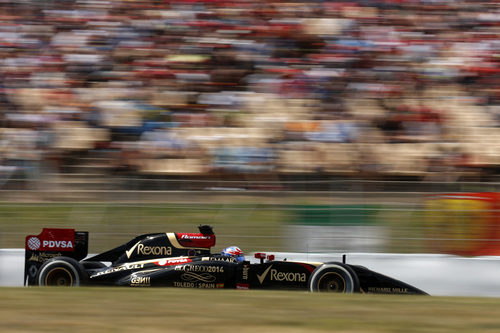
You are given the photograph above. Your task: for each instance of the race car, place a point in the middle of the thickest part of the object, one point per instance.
(59, 257)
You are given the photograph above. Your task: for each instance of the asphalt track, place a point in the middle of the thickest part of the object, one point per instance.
(438, 275)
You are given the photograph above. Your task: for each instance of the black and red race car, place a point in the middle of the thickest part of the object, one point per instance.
(58, 257)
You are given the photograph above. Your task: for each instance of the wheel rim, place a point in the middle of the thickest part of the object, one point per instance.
(332, 282)
(59, 277)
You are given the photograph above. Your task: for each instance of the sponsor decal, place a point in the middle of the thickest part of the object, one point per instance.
(227, 259)
(32, 270)
(281, 276)
(51, 244)
(184, 284)
(191, 241)
(172, 262)
(200, 268)
(244, 286)
(204, 285)
(388, 290)
(131, 250)
(123, 267)
(149, 250)
(33, 243)
(154, 250)
(204, 277)
(43, 257)
(187, 236)
(262, 276)
(51, 239)
(140, 281)
(288, 276)
(201, 285)
(245, 272)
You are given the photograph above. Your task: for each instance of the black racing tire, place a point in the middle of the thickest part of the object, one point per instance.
(62, 272)
(334, 277)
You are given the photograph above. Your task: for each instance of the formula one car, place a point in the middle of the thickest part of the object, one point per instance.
(58, 257)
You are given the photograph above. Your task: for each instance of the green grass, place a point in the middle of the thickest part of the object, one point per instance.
(185, 310)
(250, 226)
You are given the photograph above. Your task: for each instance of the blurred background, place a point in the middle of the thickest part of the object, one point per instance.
(366, 126)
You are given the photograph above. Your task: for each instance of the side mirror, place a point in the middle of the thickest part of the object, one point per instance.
(261, 256)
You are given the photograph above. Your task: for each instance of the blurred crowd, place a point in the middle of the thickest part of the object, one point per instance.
(384, 89)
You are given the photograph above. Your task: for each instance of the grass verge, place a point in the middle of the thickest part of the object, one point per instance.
(250, 226)
(185, 310)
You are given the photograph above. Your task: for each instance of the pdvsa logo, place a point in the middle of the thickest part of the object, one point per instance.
(33, 243)
(57, 244)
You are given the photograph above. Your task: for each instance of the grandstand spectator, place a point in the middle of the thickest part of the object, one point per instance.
(117, 72)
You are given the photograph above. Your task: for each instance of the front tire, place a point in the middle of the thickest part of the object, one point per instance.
(334, 277)
(62, 272)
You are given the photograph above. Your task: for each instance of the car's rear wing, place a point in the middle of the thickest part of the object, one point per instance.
(50, 243)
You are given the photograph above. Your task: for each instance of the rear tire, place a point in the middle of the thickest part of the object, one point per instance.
(62, 272)
(334, 277)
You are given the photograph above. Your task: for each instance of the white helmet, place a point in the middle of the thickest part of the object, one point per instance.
(234, 251)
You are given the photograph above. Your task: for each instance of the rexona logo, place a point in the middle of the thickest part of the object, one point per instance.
(288, 276)
(57, 244)
(149, 250)
(281, 276)
(154, 250)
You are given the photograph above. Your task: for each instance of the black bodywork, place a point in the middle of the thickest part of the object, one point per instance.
(184, 260)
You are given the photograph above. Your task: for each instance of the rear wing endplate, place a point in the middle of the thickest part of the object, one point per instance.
(50, 243)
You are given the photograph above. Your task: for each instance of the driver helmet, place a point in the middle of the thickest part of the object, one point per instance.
(234, 251)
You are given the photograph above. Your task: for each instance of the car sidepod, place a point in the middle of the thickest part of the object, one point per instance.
(197, 273)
